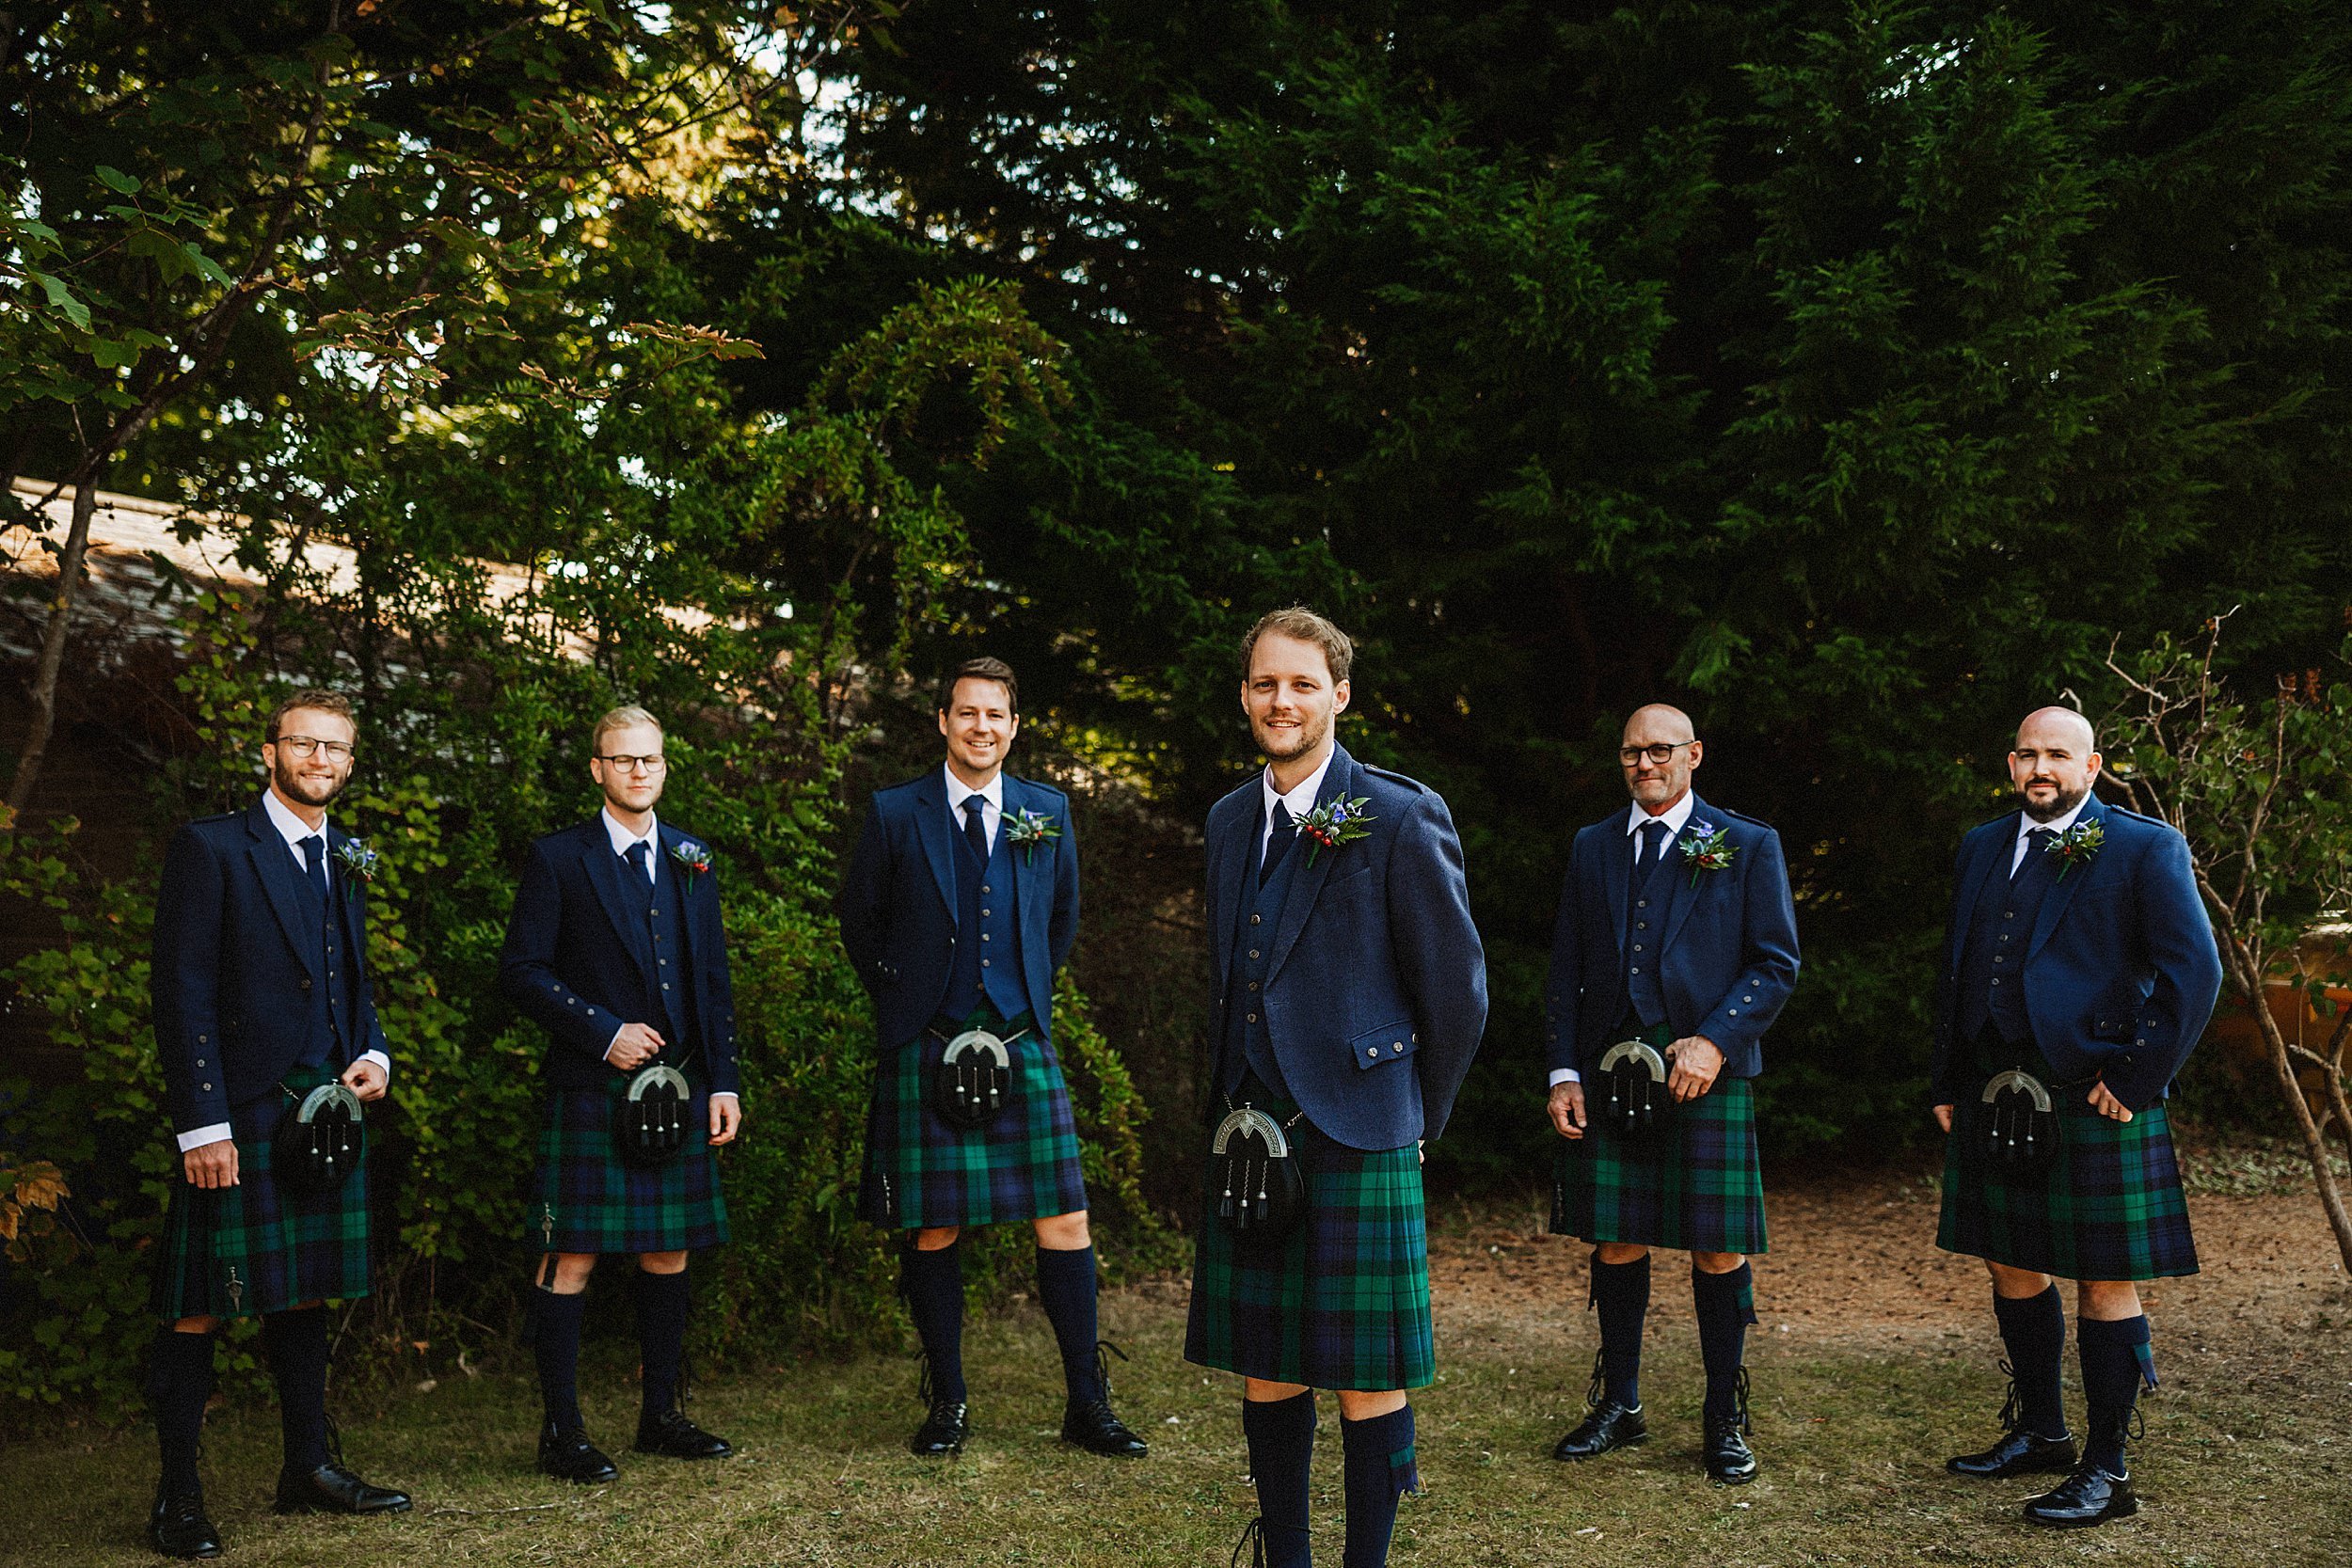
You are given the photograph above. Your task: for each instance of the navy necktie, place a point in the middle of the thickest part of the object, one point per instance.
(976, 825)
(315, 864)
(641, 859)
(1285, 834)
(1653, 850)
(2037, 845)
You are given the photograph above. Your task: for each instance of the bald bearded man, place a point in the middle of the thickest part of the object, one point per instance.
(2079, 971)
(1675, 947)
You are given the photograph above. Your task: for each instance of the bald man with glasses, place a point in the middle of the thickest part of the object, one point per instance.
(1675, 950)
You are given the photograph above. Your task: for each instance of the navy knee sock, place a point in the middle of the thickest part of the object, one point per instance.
(933, 1283)
(1380, 1469)
(2033, 1330)
(555, 1347)
(1621, 1297)
(179, 1385)
(297, 1343)
(660, 1338)
(1281, 1438)
(1065, 1288)
(2116, 1361)
(1726, 1305)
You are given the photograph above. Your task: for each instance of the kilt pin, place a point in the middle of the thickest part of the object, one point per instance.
(1672, 924)
(1353, 997)
(2079, 953)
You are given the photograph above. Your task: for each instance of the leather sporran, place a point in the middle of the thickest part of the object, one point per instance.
(319, 1140)
(650, 1124)
(1630, 1098)
(2017, 1125)
(973, 1083)
(1261, 1193)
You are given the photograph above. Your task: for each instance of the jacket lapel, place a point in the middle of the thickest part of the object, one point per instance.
(1616, 875)
(604, 870)
(1233, 869)
(1680, 894)
(930, 831)
(347, 895)
(2062, 892)
(1015, 797)
(1992, 861)
(1307, 880)
(275, 865)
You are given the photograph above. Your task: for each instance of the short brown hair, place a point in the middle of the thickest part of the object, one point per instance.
(316, 699)
(1299, 622)
(981, 670)
(627, 717)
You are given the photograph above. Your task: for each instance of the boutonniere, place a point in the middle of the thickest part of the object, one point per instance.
(1706, 848)
(1335, 824)
(693, 858)
(357, 859)
(1025, 829)
(2077, 846)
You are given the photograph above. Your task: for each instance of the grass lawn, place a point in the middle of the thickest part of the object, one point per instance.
(1875, 1360)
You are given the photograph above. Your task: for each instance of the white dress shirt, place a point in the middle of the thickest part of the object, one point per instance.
(1676, 817)
(991, 793)
(2025, 824)
(651, 838)
(1300, 801)
(294, 830)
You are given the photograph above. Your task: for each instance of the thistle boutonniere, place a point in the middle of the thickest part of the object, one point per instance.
(693, 860)
(1334, 825)
(2077, 846)
(1706, 848)
(357, 859)
(1025, 829)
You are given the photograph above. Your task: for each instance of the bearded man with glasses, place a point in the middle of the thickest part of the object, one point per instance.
(617, 950)
(1675, 950)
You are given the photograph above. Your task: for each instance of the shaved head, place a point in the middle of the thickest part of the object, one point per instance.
(1658, 753)
(2055, 762)
(1658, 721)
(2052, 722)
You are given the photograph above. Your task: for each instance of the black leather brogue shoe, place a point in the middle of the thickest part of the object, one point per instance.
(672, 1434)
(2018, 1453)
(332, 1489)
(944, 1429)
(1725, 1451)
(2089, 1496)
(1091, 1426)
(569, 1456)
(1606, 1425)
(177, 1527)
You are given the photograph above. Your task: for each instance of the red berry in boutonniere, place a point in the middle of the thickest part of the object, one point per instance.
(1706, 848)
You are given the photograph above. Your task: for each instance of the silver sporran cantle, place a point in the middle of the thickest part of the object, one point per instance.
(2017, 1124)
(974, 1080)
(650, 1125)
(1632, 1097)
(319, 1139)
(1254, 1170)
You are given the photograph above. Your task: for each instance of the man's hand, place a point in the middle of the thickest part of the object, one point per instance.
(368, 1079)
(1696, 1063)
(1567, 1108)
(213, 1165)
(2106, 1105)
(1943, 1117)
(727, 1119)
(633, 1047)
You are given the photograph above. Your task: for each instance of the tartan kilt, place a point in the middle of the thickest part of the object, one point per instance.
(1696, 1187)
(921, 1171)
(1342, 1302)
(258, 1247)
(590, 1201)
(2111, 1206)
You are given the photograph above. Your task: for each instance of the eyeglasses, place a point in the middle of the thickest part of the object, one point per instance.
(653, 764)
(1659, 754)
(304, 746)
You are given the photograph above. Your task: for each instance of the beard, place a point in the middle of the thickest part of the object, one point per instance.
(311, 792)
(1305, 738)
(2067, 801)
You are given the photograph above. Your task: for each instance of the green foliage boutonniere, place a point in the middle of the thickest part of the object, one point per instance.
(2077, 846)
(693, 859)
(1026, 830)
(357, 859)
(1337, 823)
(1706, 848)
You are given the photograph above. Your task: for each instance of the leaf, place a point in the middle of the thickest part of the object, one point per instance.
(61, 298)
(116, 180)
(212, 270)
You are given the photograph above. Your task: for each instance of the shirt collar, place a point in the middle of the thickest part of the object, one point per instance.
(1300, 799)
(287, 823)
(622, 838)
(959, 792)
(2057, 824)
(1673, 816)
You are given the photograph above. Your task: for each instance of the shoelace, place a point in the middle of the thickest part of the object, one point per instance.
(1740, 1403)
(2013, 1407)
(1253, 1539)
(1598, 1387)
(1103, 1351)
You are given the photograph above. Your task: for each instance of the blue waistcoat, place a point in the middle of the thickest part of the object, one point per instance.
(668, 959)
(1247, 1042)
(988, 938)
(324, 1036)
(1992, 966)
(1643, 991)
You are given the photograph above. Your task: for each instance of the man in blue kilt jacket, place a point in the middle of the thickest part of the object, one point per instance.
(959, 904)
(616, 949)
(263, 1020)
(1352, 993)
(1675, 948)
(2079, 971)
